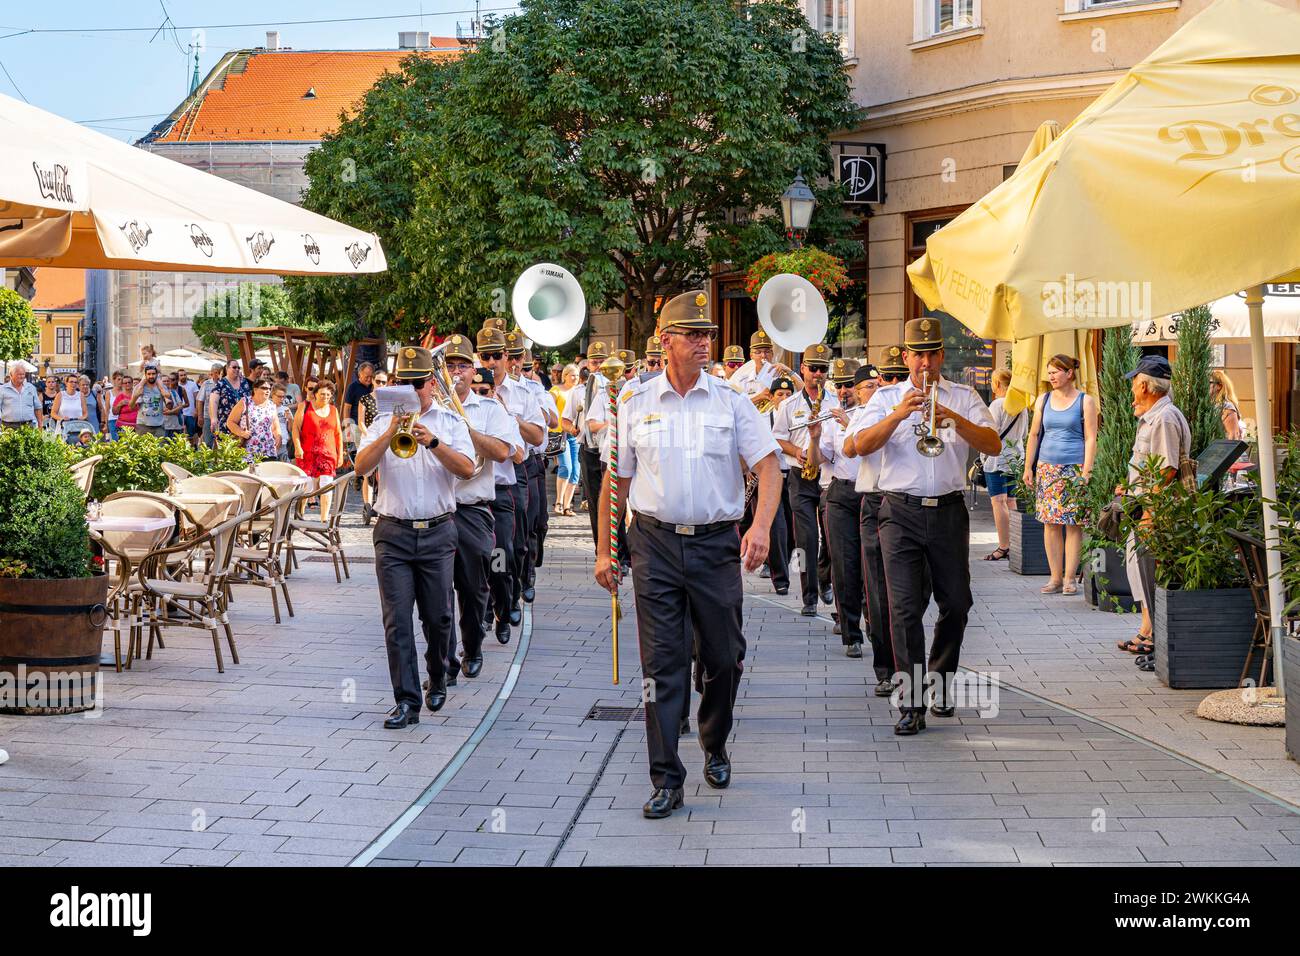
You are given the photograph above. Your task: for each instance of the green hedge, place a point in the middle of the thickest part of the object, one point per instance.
(134, 461)
(43, 531)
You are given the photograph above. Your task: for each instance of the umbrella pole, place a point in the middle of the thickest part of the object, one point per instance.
(1267, 476)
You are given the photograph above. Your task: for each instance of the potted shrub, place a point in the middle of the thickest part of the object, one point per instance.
(51, 604)
(1028, 555)
(135, 460)
(1204, 617)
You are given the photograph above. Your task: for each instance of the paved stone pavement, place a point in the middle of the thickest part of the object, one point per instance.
(283, 761)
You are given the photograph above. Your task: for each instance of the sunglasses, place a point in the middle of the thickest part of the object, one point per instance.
(490, 356)
(735, 364)
(483, 390)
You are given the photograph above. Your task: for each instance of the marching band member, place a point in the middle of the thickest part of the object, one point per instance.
(577, 422)
(414, 536)
(843, 504)
(781, 536)
(681, 439)
(923, 519)
(756, 376)
(519, 402)
(496, 439)
(537, 460)
(802, 458)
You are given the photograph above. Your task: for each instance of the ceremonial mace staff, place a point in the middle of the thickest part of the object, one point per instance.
(612, 369)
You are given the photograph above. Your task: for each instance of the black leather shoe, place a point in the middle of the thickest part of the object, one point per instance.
(503, 632)
(516, 617)
(828, 597)
(402, 715)
(684, 728)
(937, 711)
(912, 722)
(662, 803)
(782, 590)
(885, 687)
(809, 610)
(529, 593)
(451, 680)
(717, 771)
(472, 666)
(853, 650)
(765, 572)
(434, 700)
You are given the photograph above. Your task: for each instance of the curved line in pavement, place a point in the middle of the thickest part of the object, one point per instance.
(1127, 734)
(448, 773)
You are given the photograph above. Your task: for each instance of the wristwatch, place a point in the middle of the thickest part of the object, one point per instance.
(433, 443)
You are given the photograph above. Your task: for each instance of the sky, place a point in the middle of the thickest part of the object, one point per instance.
(121, 82)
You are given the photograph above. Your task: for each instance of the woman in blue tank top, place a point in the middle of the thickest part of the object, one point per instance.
(1058, 461)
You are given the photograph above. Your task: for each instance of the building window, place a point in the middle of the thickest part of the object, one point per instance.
(967, 358)
(1086, 9)
(937, 17)
(833, 18)
(63, 341)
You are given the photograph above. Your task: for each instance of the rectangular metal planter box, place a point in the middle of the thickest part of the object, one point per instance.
(1291, 669)
(1028, 555)
(1105, 582)
(1202, 637)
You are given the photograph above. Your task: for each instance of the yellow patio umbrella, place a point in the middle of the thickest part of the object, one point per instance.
(1179, 185)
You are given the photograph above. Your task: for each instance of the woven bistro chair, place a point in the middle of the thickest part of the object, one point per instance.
(323, 536)
(200, 603)
(174, 474)
(84, 472)
(118, 602)
(258, 564)
(278, 468)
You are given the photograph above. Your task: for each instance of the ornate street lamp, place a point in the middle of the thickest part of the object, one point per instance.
(797, 204)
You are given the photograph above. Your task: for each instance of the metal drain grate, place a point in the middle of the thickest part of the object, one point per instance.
(607, 712)
(326, 559)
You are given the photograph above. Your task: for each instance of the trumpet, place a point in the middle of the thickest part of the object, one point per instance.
(928, 442)
(404, 444)
(445, 395)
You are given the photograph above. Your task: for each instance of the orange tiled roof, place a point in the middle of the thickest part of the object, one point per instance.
(261, 95)
(59, 289)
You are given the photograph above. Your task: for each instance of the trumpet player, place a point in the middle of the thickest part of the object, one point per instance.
(797, 430)
(843, 509)
(755, 377)
(923, 519)
(414, 535)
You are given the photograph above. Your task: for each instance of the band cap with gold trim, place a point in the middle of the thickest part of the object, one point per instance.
(782, 383)
(923, 335)
(458, 346)
(491, 339)
(515, 342)
(891, 361)
(654, 346)
(413, 362)
(760, 340)
(484, 376)
(843, 370)
(495, 322)
(598, 351)
(688, 312)
(626, 356)
(733, 353)
(818, 354)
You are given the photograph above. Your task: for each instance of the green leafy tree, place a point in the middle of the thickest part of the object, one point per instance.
(249, 303)
(20, 332)
(1191, 382)
(43, 531)
(617, 138)
(1118, 428)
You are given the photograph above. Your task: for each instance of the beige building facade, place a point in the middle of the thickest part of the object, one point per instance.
(954, 90)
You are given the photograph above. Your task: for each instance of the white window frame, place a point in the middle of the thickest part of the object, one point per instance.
(61, 340)
(1089, 9)
(812, 9)
(925, 20)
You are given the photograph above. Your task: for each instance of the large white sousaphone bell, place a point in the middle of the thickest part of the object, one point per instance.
(792, 312)
(548, 304)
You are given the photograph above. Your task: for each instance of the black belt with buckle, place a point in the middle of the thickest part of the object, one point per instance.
(951, 498)
(418, 524)
(687, 529)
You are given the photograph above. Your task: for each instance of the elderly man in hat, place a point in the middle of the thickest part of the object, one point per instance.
(682, 437)
(924, 524)
(755, 377)
(415, 535)
(798, 432)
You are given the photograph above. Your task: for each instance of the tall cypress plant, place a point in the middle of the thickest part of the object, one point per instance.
(1191, 389)
(1118, 428)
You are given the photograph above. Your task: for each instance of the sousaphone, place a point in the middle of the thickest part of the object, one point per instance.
(548, 304)
(792, 312)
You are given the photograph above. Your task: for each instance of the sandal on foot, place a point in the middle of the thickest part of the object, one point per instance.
(998, 555)
(1070, 589)
(1051, 588)
(1139, 645)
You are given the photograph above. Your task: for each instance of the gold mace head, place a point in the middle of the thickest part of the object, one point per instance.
(612, 368)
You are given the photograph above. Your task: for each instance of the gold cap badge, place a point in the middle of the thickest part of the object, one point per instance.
(410, 353)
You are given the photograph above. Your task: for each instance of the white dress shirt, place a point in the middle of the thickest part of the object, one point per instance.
(868, 476)
(488, 417)
(600, 413)
(902, 467)
(834, 461)
(575, 409)
(520, 400)
(544, 400)
(682, 452)
(419, 487)
(749, 382)
(796, 410)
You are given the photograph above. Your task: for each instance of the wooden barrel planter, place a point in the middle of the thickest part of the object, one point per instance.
(1028, 556)
(51, 632)
(1202, 637)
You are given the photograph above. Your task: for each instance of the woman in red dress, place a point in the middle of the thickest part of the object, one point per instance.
(318, 440)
